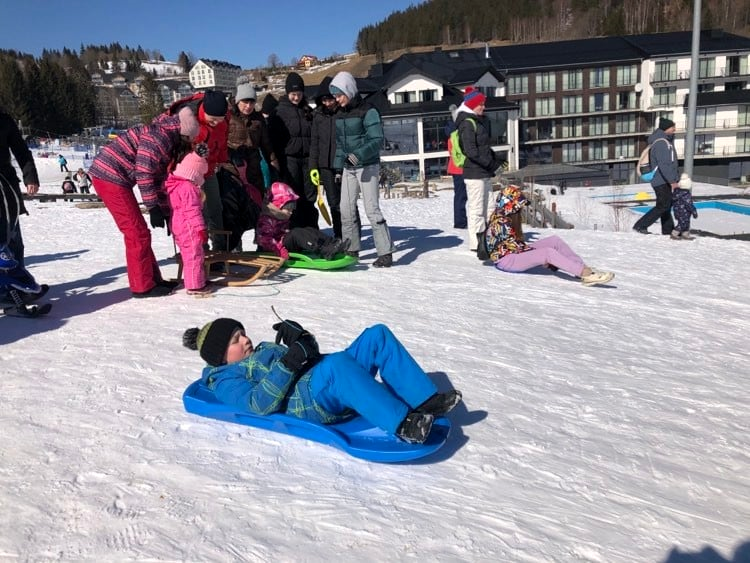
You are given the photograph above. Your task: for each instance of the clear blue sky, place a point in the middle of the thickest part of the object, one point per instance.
(242, 33)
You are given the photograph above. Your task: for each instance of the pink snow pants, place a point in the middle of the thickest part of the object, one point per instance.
(551, 250)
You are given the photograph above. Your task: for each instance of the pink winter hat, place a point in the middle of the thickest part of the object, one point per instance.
(189, 126)
(193, 168)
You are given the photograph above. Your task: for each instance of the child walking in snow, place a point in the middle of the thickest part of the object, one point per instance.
(296, 380)
(183, 187)
(683, 208)
(274, 235)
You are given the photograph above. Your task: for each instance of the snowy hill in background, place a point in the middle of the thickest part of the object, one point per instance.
(603, 424)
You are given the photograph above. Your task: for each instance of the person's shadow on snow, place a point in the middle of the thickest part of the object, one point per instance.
(420, 241)
(460, 416)
(710, 555)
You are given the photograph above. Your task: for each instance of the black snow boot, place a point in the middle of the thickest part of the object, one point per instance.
(332, 247)
(440, 404)
(384, 261)
(415, 428)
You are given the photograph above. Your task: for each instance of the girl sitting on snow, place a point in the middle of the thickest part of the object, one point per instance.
(296, 380)
(183, 187)
(274, 235)
(504, 244)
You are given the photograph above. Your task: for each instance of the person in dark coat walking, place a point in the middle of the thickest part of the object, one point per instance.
(663, 157)
(323, 151)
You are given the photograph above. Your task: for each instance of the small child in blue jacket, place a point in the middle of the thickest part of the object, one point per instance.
(683, 208)
(296, 380)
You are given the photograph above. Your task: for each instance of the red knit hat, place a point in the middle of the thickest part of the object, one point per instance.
(473, 98)
(193, 168)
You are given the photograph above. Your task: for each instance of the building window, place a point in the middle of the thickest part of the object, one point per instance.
(518, 84)
(572, 127)
(665, 70)
(545, 106)
(488, 91)
(433, 133)
(572, 152)
(538, 131)
(498, 127)
(427, 95)
(572, 79)
(625, 123)
(705, 88)
(736, 65)
(624, 148)
(400, 136)
(743, 142)
(599, 78)
(707, 68)
(523, 108)
(599, 102)
(545, 82)
(704, 144)
(627, 75)
(626, 100)
(597, 150)
(598, 126)
(705, 118)
(665, 96)
(743, 116)
(572, 104)
(404, 97)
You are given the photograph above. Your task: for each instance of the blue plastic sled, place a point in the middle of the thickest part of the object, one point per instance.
(298, 260)
(355, 436)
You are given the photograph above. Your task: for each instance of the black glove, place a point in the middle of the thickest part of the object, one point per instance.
(302, 354)
(288, 332)
(201, 149)
(352, 159)
(158, 219)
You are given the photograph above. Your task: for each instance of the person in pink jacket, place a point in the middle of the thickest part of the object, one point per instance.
(183, 187)
(274, 235)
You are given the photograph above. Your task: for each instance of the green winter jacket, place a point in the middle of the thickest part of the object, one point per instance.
(359, 130)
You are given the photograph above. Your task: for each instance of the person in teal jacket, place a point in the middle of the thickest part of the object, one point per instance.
(293, 378)
(359, 136)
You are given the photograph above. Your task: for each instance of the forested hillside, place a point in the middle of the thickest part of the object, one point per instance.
(451, 22)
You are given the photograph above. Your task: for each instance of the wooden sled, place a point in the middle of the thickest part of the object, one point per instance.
(239, 268)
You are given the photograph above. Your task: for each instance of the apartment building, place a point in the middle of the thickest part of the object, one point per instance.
(589, 102)
(209, 74)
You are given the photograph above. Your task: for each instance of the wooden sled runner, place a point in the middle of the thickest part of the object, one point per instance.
(239, 268)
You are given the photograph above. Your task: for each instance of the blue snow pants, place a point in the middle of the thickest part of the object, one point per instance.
(347, 379)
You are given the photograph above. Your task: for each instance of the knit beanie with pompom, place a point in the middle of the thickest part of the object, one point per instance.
(212, 340)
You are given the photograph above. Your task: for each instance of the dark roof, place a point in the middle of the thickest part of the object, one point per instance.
(459, 65)
(723, 98)
(681, 42)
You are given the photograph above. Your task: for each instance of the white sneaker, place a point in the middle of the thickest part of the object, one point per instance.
(596, 278)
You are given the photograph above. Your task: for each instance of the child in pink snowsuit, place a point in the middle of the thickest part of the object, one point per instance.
(274, 235)
(183, 186)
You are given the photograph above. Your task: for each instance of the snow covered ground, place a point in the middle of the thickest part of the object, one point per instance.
(603, 424)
